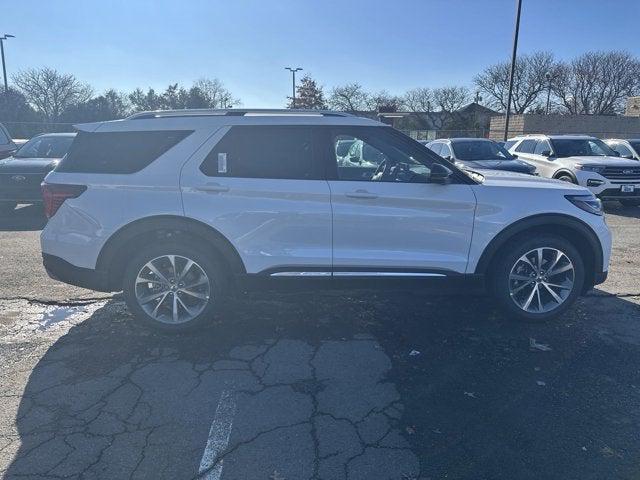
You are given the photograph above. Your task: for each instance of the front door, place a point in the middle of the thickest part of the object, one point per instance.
(387, 218)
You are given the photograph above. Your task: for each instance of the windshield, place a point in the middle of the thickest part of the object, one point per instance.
(480, 150)
(581, 147)
(45, 147)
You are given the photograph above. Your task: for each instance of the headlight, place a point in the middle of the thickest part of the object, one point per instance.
(588, 203)
(590, 168)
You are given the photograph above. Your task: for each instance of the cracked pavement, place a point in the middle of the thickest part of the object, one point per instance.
(322, 386)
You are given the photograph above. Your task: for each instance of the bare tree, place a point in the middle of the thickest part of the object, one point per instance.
(383, 101)
(529, 81)
(598, 82)
(350, 97)
(450, 99)
(51, 92)
(215, 93)
(418, 100)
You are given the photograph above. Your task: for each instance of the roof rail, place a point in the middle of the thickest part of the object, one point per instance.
(206, 112)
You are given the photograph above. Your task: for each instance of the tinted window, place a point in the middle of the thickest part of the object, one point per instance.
(542, 146)
(587, 147)
(636, 146)
(3, 137)
(479, 150)
(262, 152)
(378, 159)
(527, 146)
(118, 152)
(45, 147)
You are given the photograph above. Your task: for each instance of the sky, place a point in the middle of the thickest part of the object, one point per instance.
(382, 44)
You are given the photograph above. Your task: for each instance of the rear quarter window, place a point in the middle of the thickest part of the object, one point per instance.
(118, 152)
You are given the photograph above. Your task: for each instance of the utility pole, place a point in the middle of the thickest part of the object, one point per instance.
(548, 77)
(293, 93)
(513, 67)
(4, 66)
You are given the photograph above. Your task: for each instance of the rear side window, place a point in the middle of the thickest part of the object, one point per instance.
(263, 152)
(527, 146)
(436, 148)
(118, 152)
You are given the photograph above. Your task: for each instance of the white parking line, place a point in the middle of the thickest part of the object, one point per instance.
(218, 438)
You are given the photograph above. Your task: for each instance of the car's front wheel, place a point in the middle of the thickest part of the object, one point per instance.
(538, 278)
(174, 287)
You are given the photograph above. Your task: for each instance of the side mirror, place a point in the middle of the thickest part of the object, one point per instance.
(628, 156)
(440, 174)
(545, 153)
(616, 153)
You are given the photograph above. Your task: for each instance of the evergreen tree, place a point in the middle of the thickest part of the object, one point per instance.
(309, 95)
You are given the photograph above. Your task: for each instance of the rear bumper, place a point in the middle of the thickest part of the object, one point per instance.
(63, 271)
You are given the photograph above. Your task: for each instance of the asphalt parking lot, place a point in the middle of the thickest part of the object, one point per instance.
(350, 385)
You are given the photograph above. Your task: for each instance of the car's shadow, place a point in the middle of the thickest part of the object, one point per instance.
(23, 218)
(478, 395)
(617, 208)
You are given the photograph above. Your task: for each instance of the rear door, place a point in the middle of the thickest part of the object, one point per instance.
(387, 220)
(262, 187)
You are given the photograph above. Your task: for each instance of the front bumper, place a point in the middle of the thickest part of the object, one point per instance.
(608, 189)
(63, 271)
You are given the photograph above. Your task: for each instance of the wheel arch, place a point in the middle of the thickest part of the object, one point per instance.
(575, 230)
(121, 244)
(565, 171)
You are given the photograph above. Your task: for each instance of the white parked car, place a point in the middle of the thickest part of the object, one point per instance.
(582, 160)
(625, 147)
(179, 209)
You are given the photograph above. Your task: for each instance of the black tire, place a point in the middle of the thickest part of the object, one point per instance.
(213, 268)
(566, 178)
(630, 202)
(514, 250)
(7, 207)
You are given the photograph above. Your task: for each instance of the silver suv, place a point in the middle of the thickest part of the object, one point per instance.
(582, 160)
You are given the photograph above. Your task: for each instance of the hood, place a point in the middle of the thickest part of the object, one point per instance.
(518, 180)
(499, 164)
(27, 165)
(608, 161)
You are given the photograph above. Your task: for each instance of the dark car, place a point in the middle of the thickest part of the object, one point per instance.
(480, 153)
(22, 173)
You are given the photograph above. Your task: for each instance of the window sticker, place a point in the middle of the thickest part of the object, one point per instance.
(222, 163)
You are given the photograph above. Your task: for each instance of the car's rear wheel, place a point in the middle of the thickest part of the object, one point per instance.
(7, 207)
(538, 278)
(630, 202)
(174, 287)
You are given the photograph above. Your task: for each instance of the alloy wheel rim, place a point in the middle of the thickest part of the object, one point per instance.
(172, 289)
(541, 280)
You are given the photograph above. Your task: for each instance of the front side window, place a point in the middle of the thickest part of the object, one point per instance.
(445, 152)
(581, 147)
(542, 147)
(527, 146)
(263, 152)
(45, 147)
(479, 150)
(436, 147)
(378, 159)
(118, 152)
(636, 145)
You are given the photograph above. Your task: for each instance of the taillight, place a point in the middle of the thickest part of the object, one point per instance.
(54, 195)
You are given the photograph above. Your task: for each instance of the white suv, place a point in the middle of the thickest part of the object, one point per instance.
(179, 209)
(582, 160)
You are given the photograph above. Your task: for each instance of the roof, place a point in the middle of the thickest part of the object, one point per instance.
(208, 118)
(57, 134)
(552, 137)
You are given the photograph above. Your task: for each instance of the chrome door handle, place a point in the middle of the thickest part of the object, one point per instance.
(212, 188)
(362, 194)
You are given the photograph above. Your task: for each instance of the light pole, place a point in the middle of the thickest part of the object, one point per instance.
(4, 67)
(548, 77)
(513, 67)
(293, 72)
